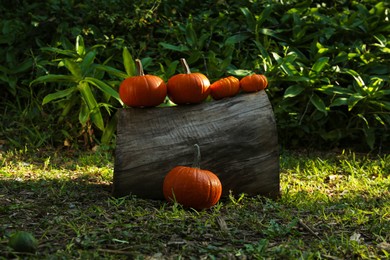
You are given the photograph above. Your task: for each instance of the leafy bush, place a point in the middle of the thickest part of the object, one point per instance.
(327, 63)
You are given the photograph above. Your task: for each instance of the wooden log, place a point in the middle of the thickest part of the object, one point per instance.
(237, 137)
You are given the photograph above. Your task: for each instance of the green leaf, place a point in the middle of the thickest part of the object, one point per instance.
(340, 58)
(109, 130)
(88, 59)
(59, 94)
(89, 99)
(264, 54)
(72, 101)
(379, 119)
(353, 100)
(171, 47)
(53, 78)
(74, 68)
(381, 39)
(11, 80)
(112, 71)
(103, 87)
(293, 91)
(240, 72)
(370, 137)
(236, 39)
(84, 114)
(129, 63)
(5, 70)
(146, 62)
(378, 9)
(265, 14)
(335, 134)
(80, 47)
(18, 68)
(250, 20)
(289, 69)
(383, 104)
(202, 39)
(319, 65)
(318, 103)
(332, 90)
(286, 66)
(225, 63)
(194, 57)
(342, 101)
(386, 104)
(271, 33)
(355, 75)
(296, 79)
(191, 36)
(379, 69)
(70, 53)
(170, 69)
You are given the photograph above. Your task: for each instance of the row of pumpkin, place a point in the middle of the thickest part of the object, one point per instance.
(187, 88)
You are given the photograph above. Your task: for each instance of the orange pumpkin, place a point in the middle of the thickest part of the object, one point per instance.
(188, 88)
(253, 83)
(142, 90)
(191, 186)
(226, 87)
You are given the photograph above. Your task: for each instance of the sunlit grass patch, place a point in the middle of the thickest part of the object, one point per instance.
(331, 206)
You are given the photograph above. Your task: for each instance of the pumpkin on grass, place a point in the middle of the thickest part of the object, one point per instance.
(143, 90)
(191, 186)
(253, 83)
(226, 87)
(188, 88)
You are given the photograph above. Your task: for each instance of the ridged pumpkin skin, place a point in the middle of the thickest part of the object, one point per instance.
(253, 83)
(142, 90)
(226, 87)
(188, 88)
(192, 187)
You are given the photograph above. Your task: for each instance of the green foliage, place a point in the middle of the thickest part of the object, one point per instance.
(327, 63)
(83, 74)
(328, 86)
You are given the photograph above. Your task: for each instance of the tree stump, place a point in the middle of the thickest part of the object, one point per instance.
(237, 138)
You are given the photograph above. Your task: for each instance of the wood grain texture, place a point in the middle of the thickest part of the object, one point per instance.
(237, 137)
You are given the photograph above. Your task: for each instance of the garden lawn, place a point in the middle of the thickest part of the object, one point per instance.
(332, 206)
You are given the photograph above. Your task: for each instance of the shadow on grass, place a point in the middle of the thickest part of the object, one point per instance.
(78, 189)
(34, 205)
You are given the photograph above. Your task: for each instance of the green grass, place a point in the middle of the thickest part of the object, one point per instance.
(332, 206)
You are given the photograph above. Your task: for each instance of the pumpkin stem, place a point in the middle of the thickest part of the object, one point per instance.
(185, 65)
(196, 163)
(139, 67)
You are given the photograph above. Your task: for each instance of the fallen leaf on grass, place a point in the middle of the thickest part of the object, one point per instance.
(356, 237)
(384, 246)
(222, 224)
